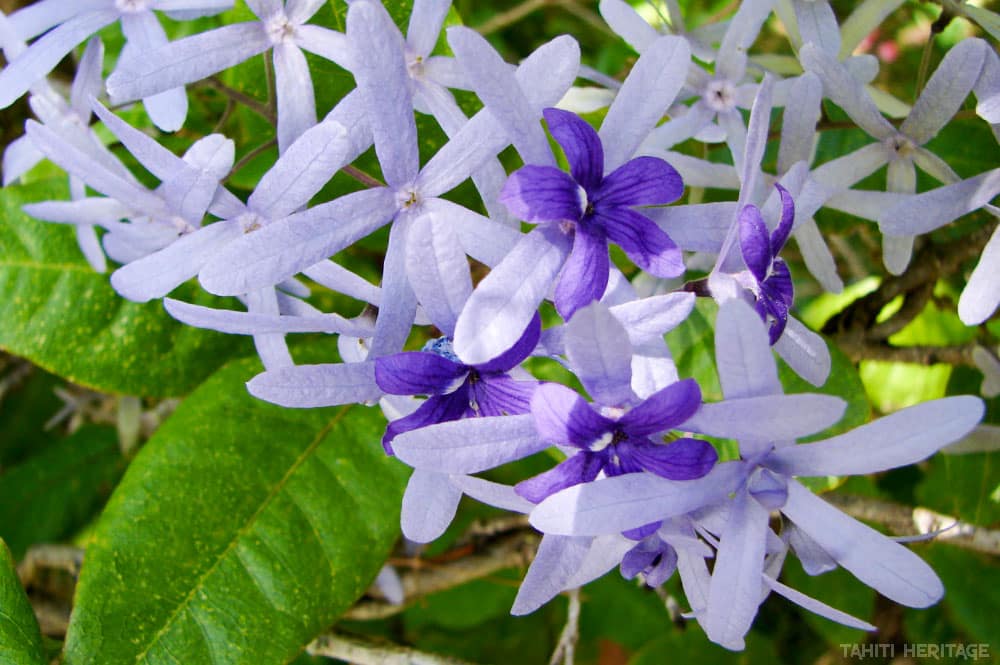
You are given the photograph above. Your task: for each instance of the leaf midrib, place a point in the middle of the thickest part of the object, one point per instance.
(242, 531)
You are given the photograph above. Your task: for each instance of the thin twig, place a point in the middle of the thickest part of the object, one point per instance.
(905, 521)
(243, 161)
(366, 651)
(242, 98)
(272, 97)
(364, 178)
(511, 551)
(511, 16)
(565, 651)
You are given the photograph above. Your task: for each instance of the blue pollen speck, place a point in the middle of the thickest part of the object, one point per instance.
(442, 347)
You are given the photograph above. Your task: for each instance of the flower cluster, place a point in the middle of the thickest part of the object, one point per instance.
(639, 485)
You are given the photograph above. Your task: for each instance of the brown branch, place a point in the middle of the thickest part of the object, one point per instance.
(364, 178)
(917, 355)
(509, 551)
(246, 100)
(905, 521)
(247, 158)
(367, 651)
(511, 16)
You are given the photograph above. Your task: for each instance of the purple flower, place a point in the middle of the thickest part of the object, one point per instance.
(768, 278)
(616, 443)
(455, 390)
(652, 557)
(595, 208)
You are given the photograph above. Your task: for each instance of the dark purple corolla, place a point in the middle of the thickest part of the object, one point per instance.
(768, 278)
(616, 441)
(596, 209)
(456, 390)
(652, 557)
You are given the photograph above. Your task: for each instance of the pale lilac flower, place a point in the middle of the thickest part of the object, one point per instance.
(67, 23)
(927, 211)
(281, 28)
(901, 149)
(156, 218)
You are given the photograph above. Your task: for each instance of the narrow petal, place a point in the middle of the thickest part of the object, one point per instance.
(416, 373)
(326, 43)
(279, 250)
(743, 355)
(522, 349)
(555, 563)
(873, 558)
(664, 410)
(649, 319)
(494, 82)
(582, 467)
(600, 354)
(902, 438)
(925, 212)
(482, 238)
(805, 352)
(308, 386)
(646, 244)
(982, 293)
(501, 395)
(296, 101)
(249, 323)
(768, 418)
(398, 307)
(639, 182)
(755, 244)
(683, 459)
(158, 274)
(43, 55)
(501, 306)
(817, 24)
(429, 506)
(798, 123)
(627, 24)
(845, 91)
(649, 90)
(581, 144)
(302, 170)
(584, 276)
(613, 505)
(492, 494)
(699, 227)
(816, 606)
(383, 80)
(438, 270)
(817, 255)
(780, 235)
(433, 411)
(946, 90)
(542, 194)
(186, 61)
(426, 20)
(91, 171)
(735, 591)
(89, 79)
(469, 445)
(562, 417)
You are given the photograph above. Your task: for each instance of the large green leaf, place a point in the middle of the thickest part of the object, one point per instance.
(20, 639)
(52, 494)
(60, 314)
(239, 532)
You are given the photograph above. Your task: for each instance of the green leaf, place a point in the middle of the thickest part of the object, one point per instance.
(691, 646)
(839, 589)
(60, 314)
(239, 532)
(20, 639)
(51, 495)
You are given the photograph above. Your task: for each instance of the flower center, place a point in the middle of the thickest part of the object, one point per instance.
(720, 95)
(279, 28)
(132, 6)
(407, 198)
(899, 145)
(250, 222)
(415, 65)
